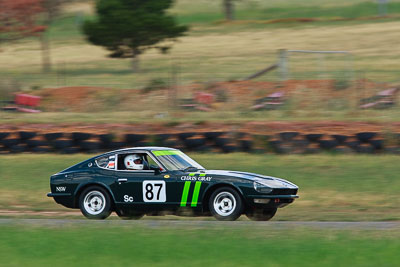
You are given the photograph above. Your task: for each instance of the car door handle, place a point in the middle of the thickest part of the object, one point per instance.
(122, 180)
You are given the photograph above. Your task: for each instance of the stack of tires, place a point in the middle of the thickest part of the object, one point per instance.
(289, 143)
(193, 142)
(10, 142)
(245, 142)
(224, 142)
(34, 142)
(135, 140)
(313, 142)
(369, 142)
(61, 142)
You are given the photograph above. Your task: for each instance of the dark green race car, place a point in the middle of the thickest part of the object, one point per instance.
(166, 181)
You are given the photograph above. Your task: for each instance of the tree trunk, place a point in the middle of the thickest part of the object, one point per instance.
(229, 10)
(135, 63)
(45, 45)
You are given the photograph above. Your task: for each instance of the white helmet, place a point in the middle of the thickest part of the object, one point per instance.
(133, 162)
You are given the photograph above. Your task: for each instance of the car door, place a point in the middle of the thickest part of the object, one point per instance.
(143, 187)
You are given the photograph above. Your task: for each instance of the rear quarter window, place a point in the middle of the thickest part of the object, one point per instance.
(106, 162)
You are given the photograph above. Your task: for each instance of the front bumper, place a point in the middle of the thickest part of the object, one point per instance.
(271, 201)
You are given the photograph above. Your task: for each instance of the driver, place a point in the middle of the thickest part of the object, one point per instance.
(133, 162)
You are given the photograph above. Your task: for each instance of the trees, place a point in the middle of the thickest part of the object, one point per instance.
(129, 27)
(26, 18)
(51, 9)
(19, 19)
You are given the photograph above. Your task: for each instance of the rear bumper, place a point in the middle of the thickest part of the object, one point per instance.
(58, 194)
(64, 199)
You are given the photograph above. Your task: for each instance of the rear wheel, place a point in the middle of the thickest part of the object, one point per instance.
(261, 214)
(226, 204)
(95, 203)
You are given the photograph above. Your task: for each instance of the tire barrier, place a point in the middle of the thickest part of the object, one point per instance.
(328, 144)
(106, 141)
(26, 135)
(3, 135)
(364, 137)
(313, 138)
(288, 136)
(288, 142)
(341, 139)
(52, 136)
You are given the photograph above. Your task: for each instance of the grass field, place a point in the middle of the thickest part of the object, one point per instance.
(214, 51)
(332, 187)
(195, 246)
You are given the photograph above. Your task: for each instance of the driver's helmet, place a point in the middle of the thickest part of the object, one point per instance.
(133, 162)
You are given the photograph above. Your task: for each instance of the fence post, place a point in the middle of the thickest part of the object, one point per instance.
(283, 65)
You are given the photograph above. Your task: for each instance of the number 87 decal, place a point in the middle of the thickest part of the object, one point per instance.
(154, 191)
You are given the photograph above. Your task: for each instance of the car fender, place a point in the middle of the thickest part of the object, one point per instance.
(80, 186)
(207, 192)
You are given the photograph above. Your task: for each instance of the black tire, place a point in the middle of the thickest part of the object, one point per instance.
(313, 137)
(131, 139)
(78, 137)
(364, 137)
(62, 144)
(26, 135)
(129, 216)
(288, 136)
(226, 196)
(91, 205)
(3, 135)
(7, 143)
(261, 214)
(53, 136)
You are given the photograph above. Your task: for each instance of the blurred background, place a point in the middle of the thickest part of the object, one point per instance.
(304, 90)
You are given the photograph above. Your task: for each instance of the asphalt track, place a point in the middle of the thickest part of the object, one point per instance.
(204, 224)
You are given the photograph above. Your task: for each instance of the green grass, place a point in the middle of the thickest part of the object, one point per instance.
(332, 187)
(194, 246)
(289, 114)
(279, 11)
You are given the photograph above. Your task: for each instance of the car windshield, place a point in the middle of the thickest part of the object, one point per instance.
(176, 160)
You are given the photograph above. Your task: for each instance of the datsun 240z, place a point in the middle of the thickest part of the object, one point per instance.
(142, 181)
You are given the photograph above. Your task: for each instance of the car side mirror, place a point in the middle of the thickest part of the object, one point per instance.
(157, 171)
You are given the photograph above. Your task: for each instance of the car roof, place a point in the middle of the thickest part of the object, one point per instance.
(144, 148)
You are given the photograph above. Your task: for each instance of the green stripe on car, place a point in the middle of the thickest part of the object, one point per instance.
(196, 194)
(185, 193)
(166, 152)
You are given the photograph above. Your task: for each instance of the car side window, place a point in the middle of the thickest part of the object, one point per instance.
(106, 162)
(144, 159)
(152, 164)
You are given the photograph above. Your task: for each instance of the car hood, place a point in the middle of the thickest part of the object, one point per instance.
(270, 181)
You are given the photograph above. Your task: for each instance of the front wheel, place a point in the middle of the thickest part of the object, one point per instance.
(226, 204)
(261, 214)
(95, 203)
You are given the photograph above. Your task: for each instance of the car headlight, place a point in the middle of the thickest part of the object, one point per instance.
(262, 188)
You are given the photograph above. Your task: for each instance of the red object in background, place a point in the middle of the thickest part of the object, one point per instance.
(27, 100)
(23, 100)
(204, 98)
